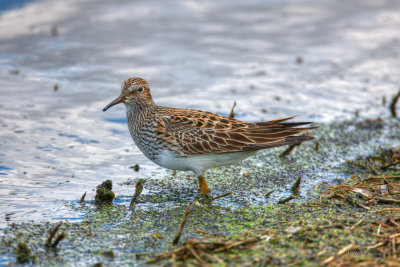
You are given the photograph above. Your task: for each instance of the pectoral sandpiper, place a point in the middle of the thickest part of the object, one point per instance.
(195, 140)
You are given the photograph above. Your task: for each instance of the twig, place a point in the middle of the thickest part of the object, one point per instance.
(387, 200)
(357, 224)
(316, 146)
(239, 243)
(52, 233)
(288, 150)
(193, 252)
(393, 163)
(173, 260)
(182, 225)
(394, 235)
(296, 187)
(328, 260)
(269, 193)
(283, 201)
(82, 198)
(377, 245)
(138, 191)
(379, 229)
(381, 224)
(350, 200)
(339, 253)
(232, 114)
(58, 239)
(295, 192)
(394, 246)
(381, 177)
(224, 195)
(362, 206)
(199, 249)
(346, 249)
(388, 209)
(393, 105)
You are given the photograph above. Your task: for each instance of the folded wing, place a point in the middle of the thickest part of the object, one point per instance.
(199, 132)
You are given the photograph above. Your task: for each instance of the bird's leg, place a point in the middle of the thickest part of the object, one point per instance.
(203, 187)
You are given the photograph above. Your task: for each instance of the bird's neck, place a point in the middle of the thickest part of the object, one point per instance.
(139, 112)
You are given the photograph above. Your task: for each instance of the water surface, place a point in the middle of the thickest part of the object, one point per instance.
(61, 62)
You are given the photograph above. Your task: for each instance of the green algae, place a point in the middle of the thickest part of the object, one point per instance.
(104, 193)
(23, 254)
(116, 235)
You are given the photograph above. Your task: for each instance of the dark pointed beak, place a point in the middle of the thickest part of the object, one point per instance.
(120, 99)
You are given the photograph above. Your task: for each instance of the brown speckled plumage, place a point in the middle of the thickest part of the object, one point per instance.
(171, 137)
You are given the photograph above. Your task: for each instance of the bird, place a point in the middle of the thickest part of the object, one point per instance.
(196, 140)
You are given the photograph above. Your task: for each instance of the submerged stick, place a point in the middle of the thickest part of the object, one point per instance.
(295, 192)
(296, 187)
(82, 198)
(393, 105)
(224, 195)
(52, 233)
(182, 225)
(138, 191)
(288, 150)
(58, 239)
(269, 193)
(283, 201)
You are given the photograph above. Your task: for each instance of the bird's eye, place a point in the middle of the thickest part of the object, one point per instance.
(140, 89)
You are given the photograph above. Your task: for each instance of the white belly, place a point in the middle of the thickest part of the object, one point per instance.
(200, 163)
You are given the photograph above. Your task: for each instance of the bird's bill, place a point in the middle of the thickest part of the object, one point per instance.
(116, 101)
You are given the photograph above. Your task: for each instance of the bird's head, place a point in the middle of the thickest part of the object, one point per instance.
(134, 92)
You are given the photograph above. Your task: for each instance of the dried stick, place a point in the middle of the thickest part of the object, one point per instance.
(393, 104)
(182, 225)
(52, 233)
(82, 198)
(138, 191)
(224, 195)
(58, 239)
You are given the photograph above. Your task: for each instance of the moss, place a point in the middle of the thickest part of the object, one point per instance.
(104, 193)
(135, 167)
(23, 254)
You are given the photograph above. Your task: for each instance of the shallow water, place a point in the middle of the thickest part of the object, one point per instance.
(320, 60)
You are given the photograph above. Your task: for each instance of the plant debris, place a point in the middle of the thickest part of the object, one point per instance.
(14, 72)
(82, 200)
(393, 105)
(369, 188)
(182, 225)
(135, 167)
(289, 149)
(199, 249)
(295, 192)
(104, 195)
(53, 245)
(23, 254)
(138, 191)
(387, 158)
(224, 195)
